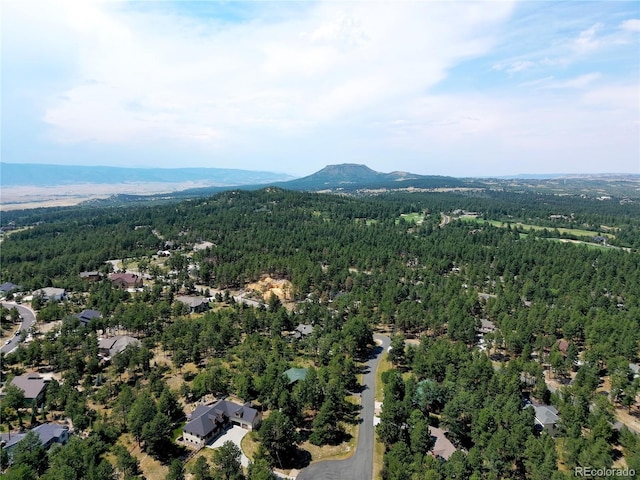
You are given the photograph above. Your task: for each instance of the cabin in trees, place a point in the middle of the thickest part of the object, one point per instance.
(195, 304)
(209, 421)
(442, 446)
(34, 387)
(294, 375)
(125, 280)
(93, 276)
(112, 346)
(86, 316)
(546, 418)
(302, 331)
(48, 434)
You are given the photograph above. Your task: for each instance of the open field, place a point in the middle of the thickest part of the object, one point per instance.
(525, 226)
(414, 217)
(27, 197)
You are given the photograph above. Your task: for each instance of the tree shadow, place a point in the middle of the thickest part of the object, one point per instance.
(297, 458)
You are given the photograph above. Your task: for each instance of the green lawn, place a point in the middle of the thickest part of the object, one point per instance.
(525, 226)
(414, 217)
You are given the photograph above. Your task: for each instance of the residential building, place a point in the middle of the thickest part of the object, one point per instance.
(48, 433)
(195, 304)
(33, 386)
(91, 276)
(442, 447)
(8, 287)
(546, 417)
(112, 346)
(302, 330)
(125, 280)
(51, 294)
(86, 316)
(209, 421)
(294, 375)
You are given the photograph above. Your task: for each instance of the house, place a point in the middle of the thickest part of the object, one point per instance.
(112, 346)
(8, 287)
(195, 304)
(209, 421)
(563, 345)
(546, 417)
(48, 433)
(301, 331)
(33, 386)
(294, 375)
(51, 294)
(486, 326)
(125, 280)
(93, 276)
(635, 370)
(442, 447)
(86, 316)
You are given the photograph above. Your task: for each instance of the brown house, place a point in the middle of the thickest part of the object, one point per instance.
(125, 280)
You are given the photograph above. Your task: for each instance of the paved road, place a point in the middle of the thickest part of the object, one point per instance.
(360, 465)
(28, 319)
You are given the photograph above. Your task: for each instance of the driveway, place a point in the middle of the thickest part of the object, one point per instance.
(28, 320)
(360, 465)
(234, 434)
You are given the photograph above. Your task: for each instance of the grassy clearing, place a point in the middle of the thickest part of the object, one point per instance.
(383, 366)
(414, 217)
(525, 226)
(151, 469)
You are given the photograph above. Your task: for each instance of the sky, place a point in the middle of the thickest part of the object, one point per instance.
(444, 88)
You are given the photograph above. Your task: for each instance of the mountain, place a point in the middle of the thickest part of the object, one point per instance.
(31, 174)
(350, 176)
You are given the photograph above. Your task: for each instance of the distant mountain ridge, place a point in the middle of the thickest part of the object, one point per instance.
(31, 174)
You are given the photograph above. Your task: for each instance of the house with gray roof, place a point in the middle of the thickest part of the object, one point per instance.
(112, 346)
(209, 421)
(546, 417)
(33, 387)
(92, 276)
(8, 287)
(51, 294)
(196, 304)
(48, 433)
(86, 316)
(302, 331)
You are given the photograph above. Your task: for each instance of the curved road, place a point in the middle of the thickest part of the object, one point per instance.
(360, 465)
(28, 319)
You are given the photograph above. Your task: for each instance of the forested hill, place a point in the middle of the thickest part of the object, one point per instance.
(505, 297)
(349, 177)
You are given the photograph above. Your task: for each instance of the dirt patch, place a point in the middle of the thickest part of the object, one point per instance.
(267, 286)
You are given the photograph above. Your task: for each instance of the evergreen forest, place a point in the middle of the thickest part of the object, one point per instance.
(496, 304)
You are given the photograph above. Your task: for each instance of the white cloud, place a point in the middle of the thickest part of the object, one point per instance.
(587, 41)
(514, 66)
(145, 76)
(632, 25)
(580, 81)
(337, 81)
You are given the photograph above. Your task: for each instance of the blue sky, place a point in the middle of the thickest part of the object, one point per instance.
(448, 88)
